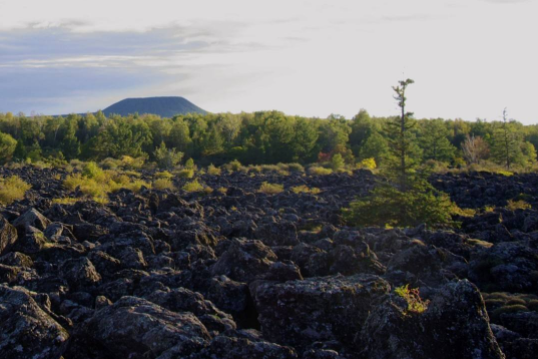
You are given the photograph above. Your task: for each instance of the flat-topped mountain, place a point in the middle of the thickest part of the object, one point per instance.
(162, 106)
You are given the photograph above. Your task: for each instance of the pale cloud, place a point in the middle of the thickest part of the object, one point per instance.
(310, 57)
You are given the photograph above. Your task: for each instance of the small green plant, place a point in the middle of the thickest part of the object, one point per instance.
(271, 188)
(193, 186)
(305, 189)
(12, 188)
(415, 304)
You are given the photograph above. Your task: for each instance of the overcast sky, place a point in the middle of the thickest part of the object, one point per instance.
(469, 58)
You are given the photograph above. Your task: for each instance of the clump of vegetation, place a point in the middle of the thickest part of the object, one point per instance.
(213, 171)
(337, 162)
(319, 171)
(193, 186)
(167, 158)
(186, 173)
(517, 204)
(163, 183)
(271, 188)
(415, 304)
(163, 175)
(12, 188)
(305, 189)
(189, 164)
(367, 163)
(233, 166)
(295, 167)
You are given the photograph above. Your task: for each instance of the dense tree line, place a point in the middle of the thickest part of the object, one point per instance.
(262, 138)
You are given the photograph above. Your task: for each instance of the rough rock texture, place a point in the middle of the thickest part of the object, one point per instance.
(26, 330)
(454, 325)
(133, 326)
(236, 273)
(297, 313)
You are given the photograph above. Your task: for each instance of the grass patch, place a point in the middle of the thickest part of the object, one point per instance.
(12, 188)
(520, 204)
(271, 188)
(163, 175)
(213, 170)
(305, 189)
(193, 186)
(163, 183)
(319, 171)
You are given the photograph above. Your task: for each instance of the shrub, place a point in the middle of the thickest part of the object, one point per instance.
(128, 162)
(88, 186)
(213, 171)
(7, 147)
(305, 189)
(319, 171)
(163, 183)
(368, 163)
(233, 166)
(92, 170)
(271, 188)
(110, 163)
(386, 205)
(189, 164)
(167, 158)
(186, 173)
(193, 186)
(12, 188)
(415, 304)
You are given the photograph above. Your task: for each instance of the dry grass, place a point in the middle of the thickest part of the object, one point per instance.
(12, 188)
(271, 188)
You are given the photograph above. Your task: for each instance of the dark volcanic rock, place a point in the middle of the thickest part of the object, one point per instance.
(134, 328)
(245, 260)
(26, 330)
(8, 236)
(454, 325)
(317, 309)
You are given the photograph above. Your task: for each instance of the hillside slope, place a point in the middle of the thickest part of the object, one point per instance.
(162, 106)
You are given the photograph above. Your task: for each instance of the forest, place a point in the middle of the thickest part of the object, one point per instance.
(268, 137)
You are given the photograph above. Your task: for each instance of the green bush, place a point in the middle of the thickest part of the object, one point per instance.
(388, 206)
(271, 188)
(12, 188)
(163, 183)
(213, 171)
(92, 170)
(164, 175)
(193, 186)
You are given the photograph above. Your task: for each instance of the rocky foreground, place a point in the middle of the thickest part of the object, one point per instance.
(242, 274)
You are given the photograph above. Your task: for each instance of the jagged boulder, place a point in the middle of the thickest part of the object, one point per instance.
(26, 330)
(134, 328)
(454, 324)
(299, 312)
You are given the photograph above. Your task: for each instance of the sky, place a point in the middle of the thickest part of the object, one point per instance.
(469, 58)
